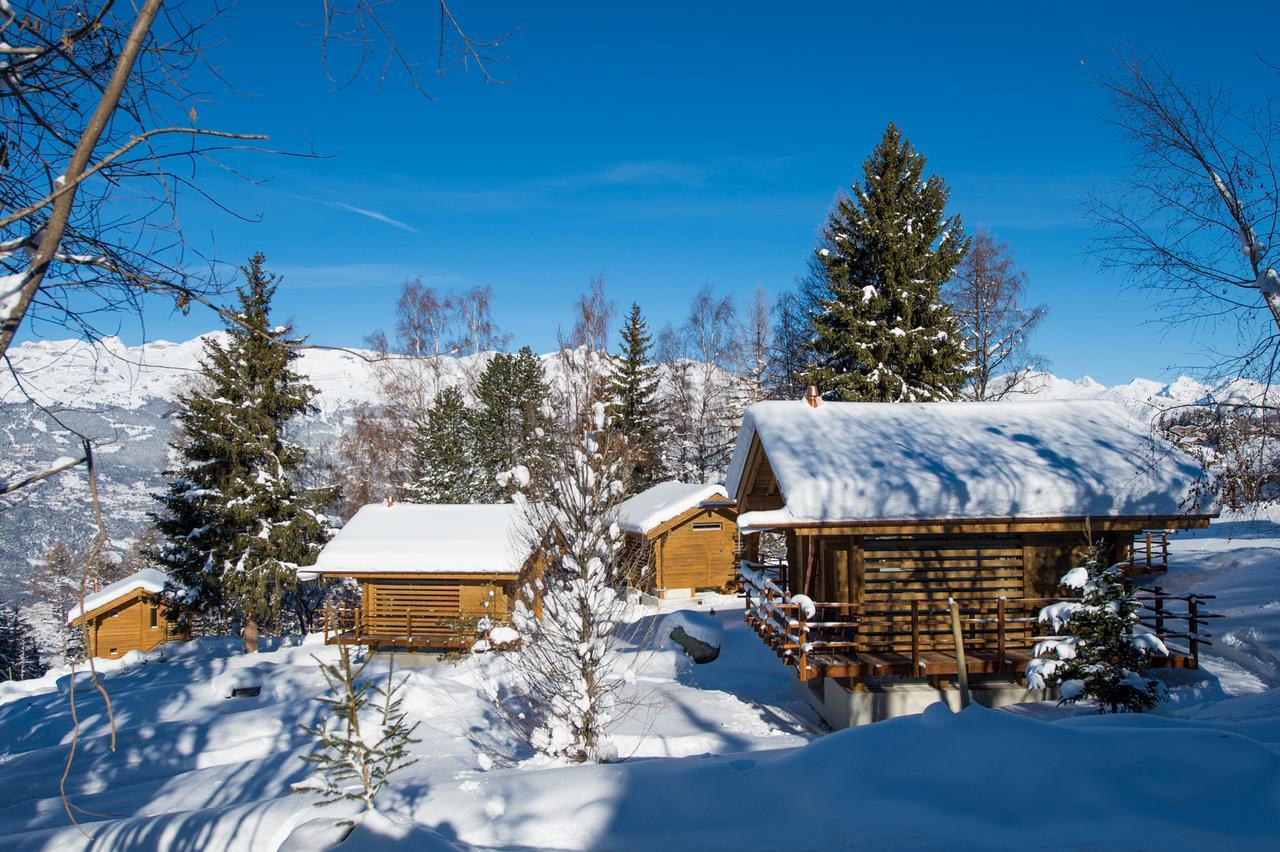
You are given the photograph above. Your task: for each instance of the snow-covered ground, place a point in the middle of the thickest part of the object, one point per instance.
(714, 756)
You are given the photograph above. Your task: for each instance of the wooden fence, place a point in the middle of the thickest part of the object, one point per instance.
(914, 639)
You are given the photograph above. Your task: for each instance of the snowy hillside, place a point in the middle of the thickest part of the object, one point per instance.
(123, 395)
(716, 756)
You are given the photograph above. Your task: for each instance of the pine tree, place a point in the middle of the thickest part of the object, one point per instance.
(234, 525)
(509, 423)
(359, 749)
(445, 467)
(1099, 656)
(633, 414)
(19, 656)
(881, 331)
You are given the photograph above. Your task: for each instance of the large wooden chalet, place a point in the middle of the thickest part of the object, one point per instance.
(890, 510)
(685, 534)
(426, 573)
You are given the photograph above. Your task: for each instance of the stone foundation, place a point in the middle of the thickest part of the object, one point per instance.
(844, 707)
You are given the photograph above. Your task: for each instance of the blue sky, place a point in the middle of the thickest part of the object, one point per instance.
(676, 145)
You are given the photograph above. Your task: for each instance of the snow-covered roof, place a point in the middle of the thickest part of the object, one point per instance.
(148, 579)
(853, 462)
(429, 539)
(659, 504)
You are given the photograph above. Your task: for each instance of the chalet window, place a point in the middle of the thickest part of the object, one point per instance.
(155, 618)
(705, 527)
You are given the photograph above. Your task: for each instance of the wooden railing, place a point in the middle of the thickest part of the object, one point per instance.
(913, 638)
(1149, 552)
(355, 626)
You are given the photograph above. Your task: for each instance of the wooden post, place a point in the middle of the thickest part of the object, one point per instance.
(1193, 631)
(1149, 566)
(915, 638)
(408, 626)
(804, 653)
(326, 625)
(1000, 635)
(1159, 601)
(962, 668)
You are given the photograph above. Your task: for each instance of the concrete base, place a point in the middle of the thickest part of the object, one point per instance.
(843, 707)
(411, 659)
(675, 594)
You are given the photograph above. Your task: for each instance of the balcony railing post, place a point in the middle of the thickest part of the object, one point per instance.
(1149, 566)
(804, 647)
(1193, 631)
(1159, 603)
(915, 637)
(1000, 635)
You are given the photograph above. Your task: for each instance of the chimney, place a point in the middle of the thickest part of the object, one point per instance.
(812, 398)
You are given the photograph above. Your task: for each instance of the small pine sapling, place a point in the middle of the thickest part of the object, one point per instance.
(1098, 655)
(365, 738)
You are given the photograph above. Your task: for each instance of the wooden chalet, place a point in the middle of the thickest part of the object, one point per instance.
(686, 534)
(426, 574)
(890, 510)
(125, 616)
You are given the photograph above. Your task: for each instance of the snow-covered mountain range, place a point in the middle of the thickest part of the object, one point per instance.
(124, 394)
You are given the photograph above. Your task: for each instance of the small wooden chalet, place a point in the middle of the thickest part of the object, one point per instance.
(426, 573)
(687, 533)
(890, 510)
(125, 616)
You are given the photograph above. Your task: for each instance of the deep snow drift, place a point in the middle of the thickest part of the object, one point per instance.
(714, 756)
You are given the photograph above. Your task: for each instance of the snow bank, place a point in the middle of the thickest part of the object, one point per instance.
(148, 579)
(657, 505)
(427, 539)
(848, 461)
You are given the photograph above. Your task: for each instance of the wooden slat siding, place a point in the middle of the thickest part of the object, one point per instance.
(924, 571)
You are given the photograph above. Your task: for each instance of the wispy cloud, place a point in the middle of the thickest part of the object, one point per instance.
(641, 173)
(373, 214)
(362, 276)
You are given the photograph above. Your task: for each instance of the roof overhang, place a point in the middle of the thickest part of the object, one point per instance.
(933, 526)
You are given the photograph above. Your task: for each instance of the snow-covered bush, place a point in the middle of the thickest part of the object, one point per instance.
(567, 671)
(365, 737)
(1097, 656)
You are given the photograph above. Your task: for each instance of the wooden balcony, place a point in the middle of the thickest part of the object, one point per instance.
(914, 638)
(402, 631)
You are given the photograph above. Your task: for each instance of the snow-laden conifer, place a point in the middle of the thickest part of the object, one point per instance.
(568, 670)
(881, 332)
(633, 410)
(234, 524)
(445, 468)
(1097, 655)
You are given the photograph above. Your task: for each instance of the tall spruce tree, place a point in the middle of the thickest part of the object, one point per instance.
(881, 331)
(633, 382)
(234, 525)
(509, 426)
(445, 466)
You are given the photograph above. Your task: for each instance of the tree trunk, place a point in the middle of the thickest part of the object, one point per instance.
(250, 634)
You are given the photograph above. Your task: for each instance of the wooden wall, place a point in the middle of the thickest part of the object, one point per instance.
(699, 552)
(128, 627)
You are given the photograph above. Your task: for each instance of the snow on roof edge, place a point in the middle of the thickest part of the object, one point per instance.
(653, 507)
(148, 579)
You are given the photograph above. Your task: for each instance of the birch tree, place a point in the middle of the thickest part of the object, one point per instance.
(987, 295)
